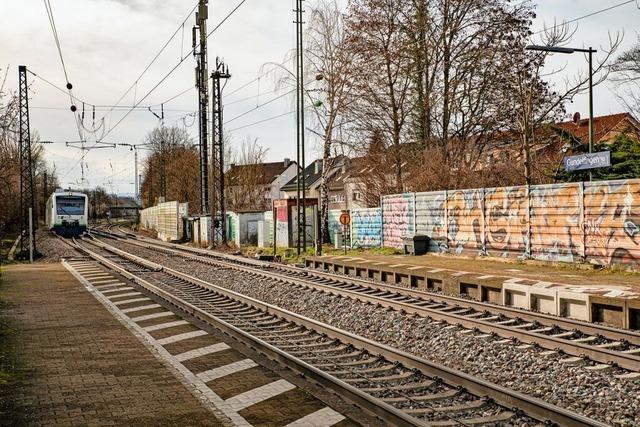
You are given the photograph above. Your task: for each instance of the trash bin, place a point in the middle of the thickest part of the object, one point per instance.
(416, 245)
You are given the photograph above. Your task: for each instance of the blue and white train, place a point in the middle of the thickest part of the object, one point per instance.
(67, 213)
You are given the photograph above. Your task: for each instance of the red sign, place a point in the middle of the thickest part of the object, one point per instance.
(345, 218)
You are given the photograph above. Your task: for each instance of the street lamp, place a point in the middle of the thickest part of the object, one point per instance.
(570, 50)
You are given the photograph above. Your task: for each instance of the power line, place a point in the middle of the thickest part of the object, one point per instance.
(263, 121)
(248, 98)
(161, 81)
(134, 84)
(56, 38)
(259, 106)
(177, 65)
(585, 16)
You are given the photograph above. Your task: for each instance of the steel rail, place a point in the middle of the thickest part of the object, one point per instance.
(609, 332)
(530, 405)
(601, 355)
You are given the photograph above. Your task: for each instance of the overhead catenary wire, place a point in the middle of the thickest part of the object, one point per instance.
(162, 49)
(262, 121)
(597, 12)
(56, 39)
(166, 76)
(259, 106)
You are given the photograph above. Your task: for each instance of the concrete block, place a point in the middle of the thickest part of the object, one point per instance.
(516, 295)
(574, 305)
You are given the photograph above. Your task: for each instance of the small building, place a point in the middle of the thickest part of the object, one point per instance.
(254, 187)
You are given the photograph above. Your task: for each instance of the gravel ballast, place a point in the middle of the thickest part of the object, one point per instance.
(596, 394)
(52, 248)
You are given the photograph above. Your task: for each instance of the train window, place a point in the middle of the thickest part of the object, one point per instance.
(70, 205)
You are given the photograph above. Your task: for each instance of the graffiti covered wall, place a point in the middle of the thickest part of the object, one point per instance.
(612, 222)
(334, 223)
(366, 228)
(397, 219)
(595, 222)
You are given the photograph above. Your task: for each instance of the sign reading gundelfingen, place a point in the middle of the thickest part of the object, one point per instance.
(587, 161)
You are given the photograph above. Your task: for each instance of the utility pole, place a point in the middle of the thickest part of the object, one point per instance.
(300, 179)
(203, 100)
(27, 194)
(218, 225)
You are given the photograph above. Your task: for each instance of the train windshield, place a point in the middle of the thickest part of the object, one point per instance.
(70, 205)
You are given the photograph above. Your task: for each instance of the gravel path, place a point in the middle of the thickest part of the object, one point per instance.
(595, 394)
(52, 248)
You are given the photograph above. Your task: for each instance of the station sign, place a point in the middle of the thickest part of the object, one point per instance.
(601, 159)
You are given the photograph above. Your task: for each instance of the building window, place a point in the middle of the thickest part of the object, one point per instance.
(337, 198)
(357, 196)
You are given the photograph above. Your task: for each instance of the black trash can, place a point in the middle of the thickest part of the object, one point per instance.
(416, 245)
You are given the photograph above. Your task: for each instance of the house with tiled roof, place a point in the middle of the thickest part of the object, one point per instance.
(254, 187)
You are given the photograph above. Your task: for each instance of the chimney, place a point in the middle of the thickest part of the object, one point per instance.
(317, 167)
(287, 162)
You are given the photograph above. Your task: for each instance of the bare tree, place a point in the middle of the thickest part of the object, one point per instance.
(626, 69)
(533, 101)
(332, 64)
(246, 182)
(174, 147)
(381, 78)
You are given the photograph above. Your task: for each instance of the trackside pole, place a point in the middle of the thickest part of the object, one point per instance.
(31, 236)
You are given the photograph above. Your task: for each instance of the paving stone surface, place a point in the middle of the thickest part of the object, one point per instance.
(82, 367)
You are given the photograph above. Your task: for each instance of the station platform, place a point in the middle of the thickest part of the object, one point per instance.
(77, 365)
(603, 296)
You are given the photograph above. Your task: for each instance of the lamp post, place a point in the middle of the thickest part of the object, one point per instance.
(570, 50)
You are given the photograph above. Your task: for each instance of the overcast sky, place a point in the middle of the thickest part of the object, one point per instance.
(106, 44)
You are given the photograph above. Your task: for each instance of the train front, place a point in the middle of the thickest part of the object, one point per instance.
(70, 214)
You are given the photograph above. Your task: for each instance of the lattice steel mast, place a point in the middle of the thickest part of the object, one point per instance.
(218, 212)
(27, 193)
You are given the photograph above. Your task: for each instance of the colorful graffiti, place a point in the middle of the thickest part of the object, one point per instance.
(596, 222)
(430, 219)
(366, 228)
(397, 219)
(505, 230)
(612, 222)
(334, 223)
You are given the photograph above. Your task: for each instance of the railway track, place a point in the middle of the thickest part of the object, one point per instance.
(398, 387)
(605, 345)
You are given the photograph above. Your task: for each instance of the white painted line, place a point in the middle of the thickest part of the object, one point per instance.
(108, 286)
(110, 291)
(105, 281)
(223, 371)
(145, 307)
(324, 417)
(188, 355)
(259, 394)
(204, 394)
(165, 325)
(131, 301)
(152, 316)
(181, 337)
(128, 294)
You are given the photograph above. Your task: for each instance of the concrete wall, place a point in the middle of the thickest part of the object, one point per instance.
(366, 228)
(595, 222)
(398, 219)
(166, 219)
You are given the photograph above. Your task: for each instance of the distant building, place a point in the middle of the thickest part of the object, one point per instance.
(255, 187)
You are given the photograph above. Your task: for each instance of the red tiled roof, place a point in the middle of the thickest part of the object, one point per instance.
(602, 126)
(266, 173)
